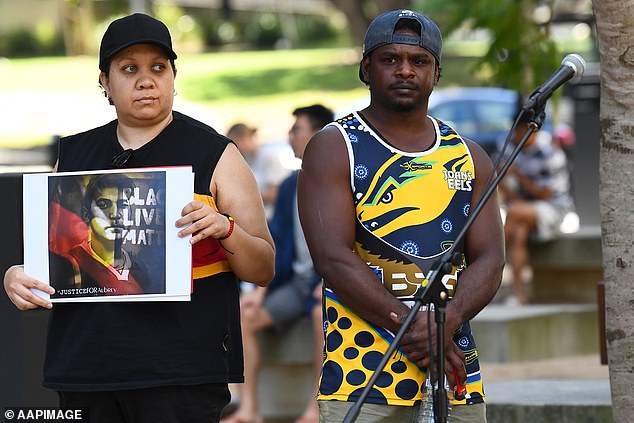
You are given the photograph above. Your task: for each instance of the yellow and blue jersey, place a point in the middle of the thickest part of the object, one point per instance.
(410, 207)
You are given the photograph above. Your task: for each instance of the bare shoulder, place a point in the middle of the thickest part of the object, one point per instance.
(328, 137)
(327, 148)
(481, 159)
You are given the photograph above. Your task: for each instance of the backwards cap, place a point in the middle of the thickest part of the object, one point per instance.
(381, 32)
(133, 29)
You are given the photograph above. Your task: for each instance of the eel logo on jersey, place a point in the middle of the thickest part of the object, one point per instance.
(387, 204)
(406, 195)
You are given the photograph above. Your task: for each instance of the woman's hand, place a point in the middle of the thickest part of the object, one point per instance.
(203, 222)
(18, 286)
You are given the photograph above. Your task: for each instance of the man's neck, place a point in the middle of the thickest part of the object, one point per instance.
(408, 131)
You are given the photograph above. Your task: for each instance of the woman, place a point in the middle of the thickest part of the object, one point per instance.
(157, 361)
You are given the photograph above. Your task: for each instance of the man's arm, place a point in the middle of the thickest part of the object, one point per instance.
(327, 214)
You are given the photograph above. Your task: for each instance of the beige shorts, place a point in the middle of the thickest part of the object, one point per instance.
(549, 220)
(335, 412)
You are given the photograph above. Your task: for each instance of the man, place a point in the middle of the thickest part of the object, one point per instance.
(157, 361)
(285, 299)
(266, 166)
(536, 194)
(379, 186)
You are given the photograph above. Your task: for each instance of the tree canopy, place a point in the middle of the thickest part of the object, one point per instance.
(521, 53)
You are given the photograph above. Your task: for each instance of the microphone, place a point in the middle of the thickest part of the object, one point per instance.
(572, 66)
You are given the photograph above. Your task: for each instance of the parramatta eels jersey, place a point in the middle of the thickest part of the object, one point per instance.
(410, 207)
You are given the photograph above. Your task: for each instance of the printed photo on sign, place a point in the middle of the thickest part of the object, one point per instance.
(109, 235)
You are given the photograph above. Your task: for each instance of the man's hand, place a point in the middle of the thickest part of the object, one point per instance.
(415, 343)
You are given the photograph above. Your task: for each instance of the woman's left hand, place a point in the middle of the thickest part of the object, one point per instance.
(201, 221)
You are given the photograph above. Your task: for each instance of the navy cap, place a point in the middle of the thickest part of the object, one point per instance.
(381, 32)
(133, 29)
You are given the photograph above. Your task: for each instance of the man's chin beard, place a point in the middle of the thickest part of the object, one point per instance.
(403, 107)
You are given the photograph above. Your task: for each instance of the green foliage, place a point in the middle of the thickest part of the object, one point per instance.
(520, 54)
(313, 30)
(186, 33)
(264, 31)
(256, 30)
(215, 31)
(23, 42)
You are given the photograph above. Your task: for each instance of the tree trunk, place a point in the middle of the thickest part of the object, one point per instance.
(615, 20)
(360, 13)
(77, 25)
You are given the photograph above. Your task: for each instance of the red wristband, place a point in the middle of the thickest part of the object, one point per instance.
(231, 225)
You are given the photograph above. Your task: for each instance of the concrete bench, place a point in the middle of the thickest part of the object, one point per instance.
(567, 270)
(286, 376)
(506, 334)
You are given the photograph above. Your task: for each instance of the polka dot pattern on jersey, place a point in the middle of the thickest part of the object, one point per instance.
(354, 351)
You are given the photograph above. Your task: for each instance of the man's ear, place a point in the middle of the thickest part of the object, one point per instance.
(365, 69)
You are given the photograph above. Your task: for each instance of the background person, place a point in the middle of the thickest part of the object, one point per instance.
(289, 295)
(380, 186)
(157, 361)
(266, 166)
(536, 197)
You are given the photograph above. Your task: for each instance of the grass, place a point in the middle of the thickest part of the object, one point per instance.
(265, 82)
(242, 76)
(261, 88)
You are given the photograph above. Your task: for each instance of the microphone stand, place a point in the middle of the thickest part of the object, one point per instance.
(435, 292)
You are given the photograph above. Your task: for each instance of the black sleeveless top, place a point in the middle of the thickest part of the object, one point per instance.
(112, 346)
